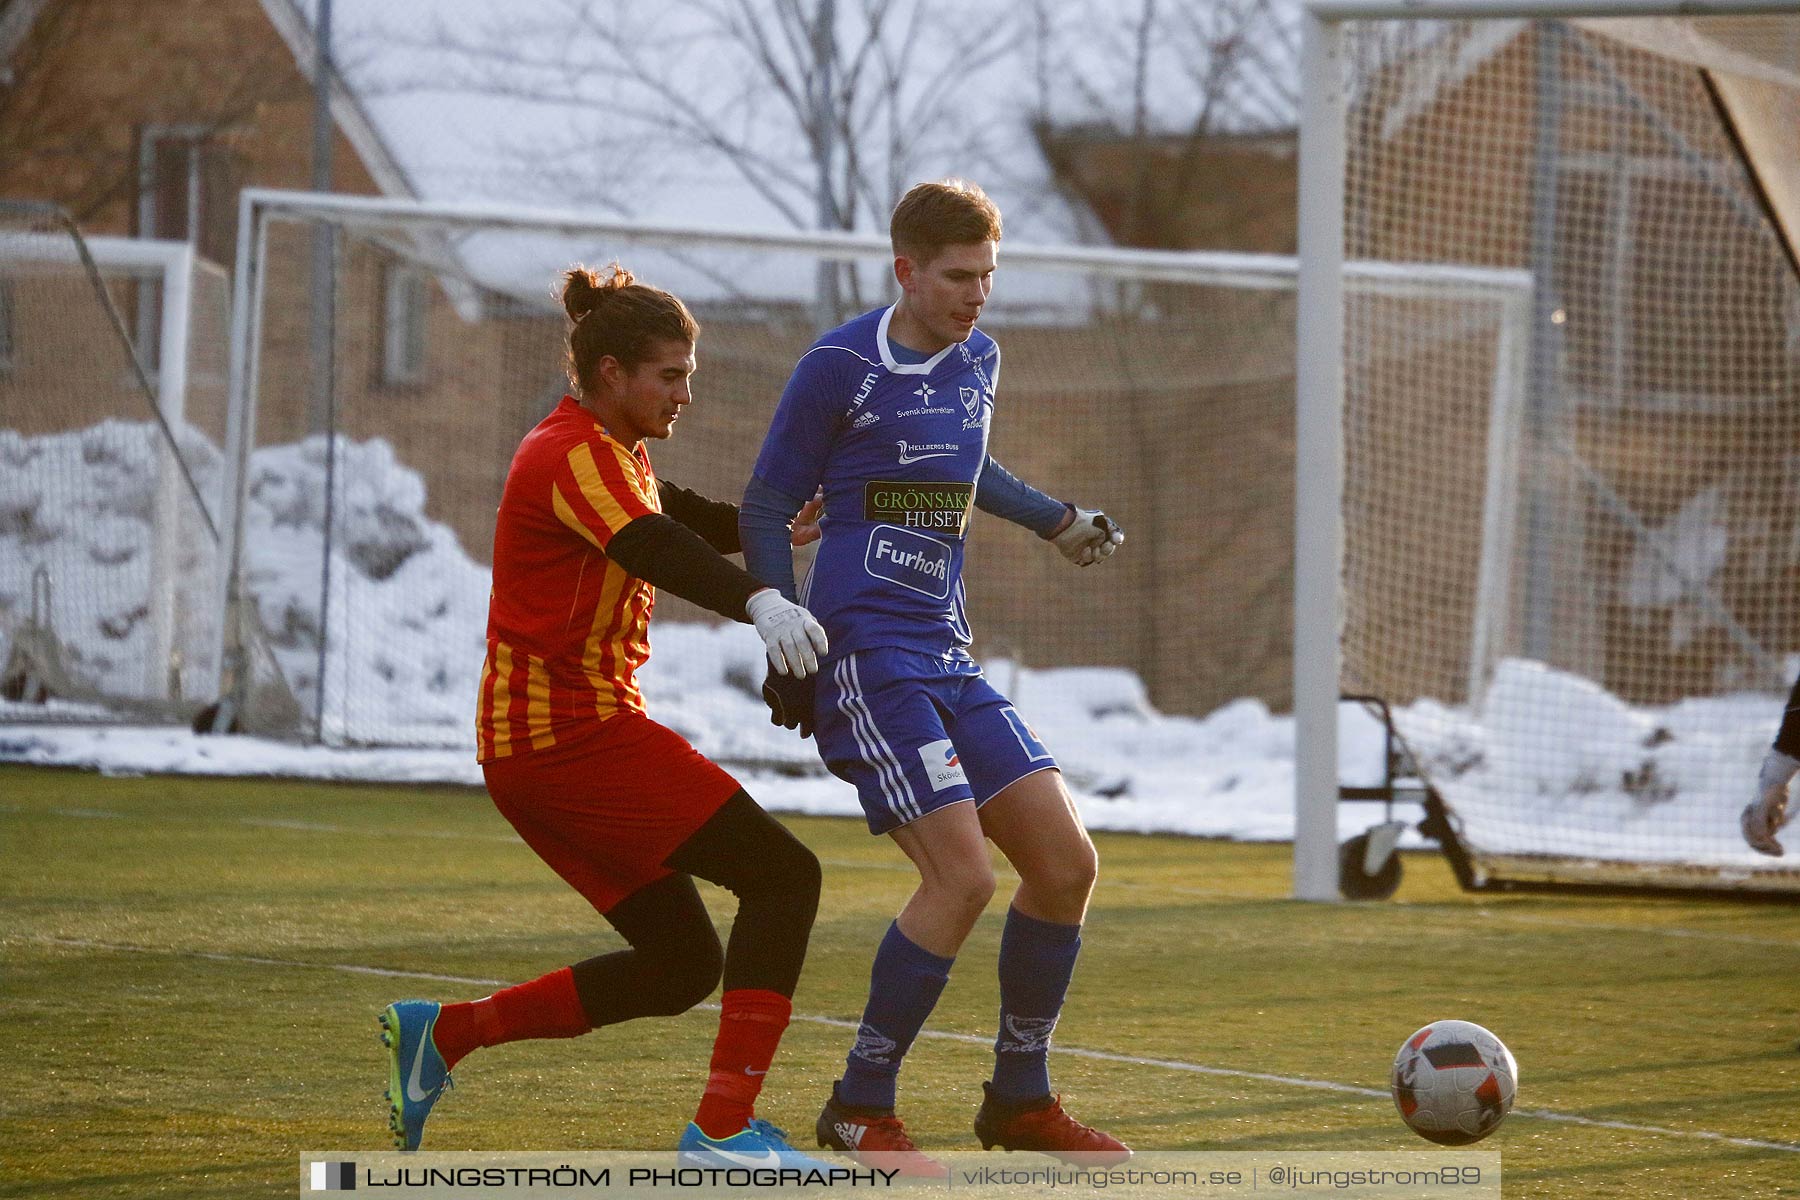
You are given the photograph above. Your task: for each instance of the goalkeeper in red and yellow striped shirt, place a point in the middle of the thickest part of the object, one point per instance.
(623, 808)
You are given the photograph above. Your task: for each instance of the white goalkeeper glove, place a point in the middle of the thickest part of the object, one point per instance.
(793, 640)
(1764, 816)
(1090, 537)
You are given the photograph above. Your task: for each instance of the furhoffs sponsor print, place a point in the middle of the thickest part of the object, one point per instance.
(912, 560)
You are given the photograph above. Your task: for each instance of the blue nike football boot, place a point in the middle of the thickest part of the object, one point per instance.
(758, 1144)
(417, 1075)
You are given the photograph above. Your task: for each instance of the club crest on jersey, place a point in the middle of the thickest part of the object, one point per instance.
(971, 402)
(942, 766)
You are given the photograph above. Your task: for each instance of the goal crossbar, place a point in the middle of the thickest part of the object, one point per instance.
(1198, 267)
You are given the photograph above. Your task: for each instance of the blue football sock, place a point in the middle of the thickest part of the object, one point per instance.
(1037, 958)
(904, 986)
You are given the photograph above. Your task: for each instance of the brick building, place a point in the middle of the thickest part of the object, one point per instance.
(147, 121)
(1172, 410)
(209, 96)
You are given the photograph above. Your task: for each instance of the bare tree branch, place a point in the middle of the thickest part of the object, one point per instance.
(1169, 82)
(834, 100)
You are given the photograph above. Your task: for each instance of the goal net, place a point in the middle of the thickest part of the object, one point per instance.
(1582, 595)
(1157, 386)
(112, 408)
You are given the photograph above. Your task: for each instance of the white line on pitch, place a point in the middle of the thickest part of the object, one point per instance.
(1167, 1064)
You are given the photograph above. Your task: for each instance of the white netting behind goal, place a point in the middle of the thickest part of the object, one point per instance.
(108, 555)
(1580, 570)
(1168, 403)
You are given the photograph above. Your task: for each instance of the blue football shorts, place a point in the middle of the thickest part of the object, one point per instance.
(914, 732)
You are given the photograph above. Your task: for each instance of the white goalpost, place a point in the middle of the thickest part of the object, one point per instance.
(112, 623)
(172, 267)
(1630, 620)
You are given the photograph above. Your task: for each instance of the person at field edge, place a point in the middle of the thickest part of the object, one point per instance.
(890, 413)
(624, 809)
(1765, 815)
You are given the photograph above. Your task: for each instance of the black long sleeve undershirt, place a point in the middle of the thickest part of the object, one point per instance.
(1788, 739)
(665, 553)
(716, 521)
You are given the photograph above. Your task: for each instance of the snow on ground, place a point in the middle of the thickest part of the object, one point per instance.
(406, 638)
(78, 516)
(1550, 750)
(1228, 775)
(1547, 761)
(1622, 783)
(406, 629)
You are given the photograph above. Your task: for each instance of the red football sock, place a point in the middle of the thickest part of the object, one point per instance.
(546, 1007)
(751, 1022)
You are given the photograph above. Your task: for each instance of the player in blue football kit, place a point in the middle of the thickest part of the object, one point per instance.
(890, 415)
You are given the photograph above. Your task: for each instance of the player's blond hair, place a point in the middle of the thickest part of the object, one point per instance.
(950, 212)
(618, 316)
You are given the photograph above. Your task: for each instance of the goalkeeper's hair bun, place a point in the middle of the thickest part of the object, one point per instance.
(583, 290)
(618, 316)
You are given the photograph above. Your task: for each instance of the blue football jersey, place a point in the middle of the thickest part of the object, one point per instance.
(899, 448)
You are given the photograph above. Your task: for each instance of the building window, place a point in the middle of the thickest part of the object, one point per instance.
(403, 305)
(187, 191)
(188, 182)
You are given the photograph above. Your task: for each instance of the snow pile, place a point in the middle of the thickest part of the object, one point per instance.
(1228, 775)
(99, 516)
(406, 627)
(79, 517)
(1548, 762)
(1553, 763)
(1558, 766)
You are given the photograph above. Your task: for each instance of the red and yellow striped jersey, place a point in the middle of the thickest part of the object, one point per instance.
(567, 627)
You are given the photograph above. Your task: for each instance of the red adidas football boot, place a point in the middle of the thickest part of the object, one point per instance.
(1046, 1129)
(876, 1138)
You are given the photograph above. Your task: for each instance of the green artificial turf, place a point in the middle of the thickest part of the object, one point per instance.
(177, 1019)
